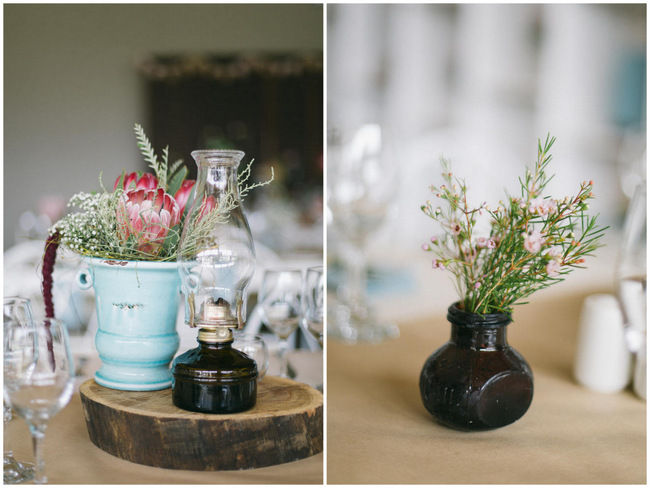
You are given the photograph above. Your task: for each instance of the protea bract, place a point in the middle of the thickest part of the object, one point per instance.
(147, 216)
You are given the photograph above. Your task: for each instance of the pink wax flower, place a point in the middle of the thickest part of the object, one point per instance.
(455, 228)
(130, 181)
(553, 268)
(485, 242)
(437, 264)
(524, 244)
(534, 241)
(555, 254)
(542, 206)
(147, 215)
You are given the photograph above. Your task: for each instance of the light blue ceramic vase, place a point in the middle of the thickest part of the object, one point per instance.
(137, 304)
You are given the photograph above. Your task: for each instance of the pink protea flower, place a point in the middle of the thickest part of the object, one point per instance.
(131, 182)
(147, 215)
(534, 241)
(183, 194)
(207, 205)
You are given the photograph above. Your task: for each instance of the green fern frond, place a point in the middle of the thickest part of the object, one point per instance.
(147, 149)
(174, 167)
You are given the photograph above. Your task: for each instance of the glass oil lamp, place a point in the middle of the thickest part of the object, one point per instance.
(216, 262)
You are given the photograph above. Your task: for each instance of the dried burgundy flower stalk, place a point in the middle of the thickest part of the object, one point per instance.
(49, 258)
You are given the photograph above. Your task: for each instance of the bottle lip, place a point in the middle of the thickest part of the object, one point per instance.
(456, 316)
(207, 156)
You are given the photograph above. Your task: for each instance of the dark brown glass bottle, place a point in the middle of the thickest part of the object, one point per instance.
(476, 381)
(214, 378)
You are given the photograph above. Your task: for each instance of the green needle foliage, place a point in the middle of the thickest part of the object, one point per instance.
(533, 242)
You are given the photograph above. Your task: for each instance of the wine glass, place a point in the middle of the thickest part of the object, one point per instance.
(361, 187)
(254, 347)
(313, 298)
(81, 338)
(39, 379)
(280, 297)
(17, 313)
(631, 282)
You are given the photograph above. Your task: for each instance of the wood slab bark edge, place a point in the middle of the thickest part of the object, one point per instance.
(285, 425)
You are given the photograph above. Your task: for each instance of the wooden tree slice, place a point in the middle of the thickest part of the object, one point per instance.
(145, 427)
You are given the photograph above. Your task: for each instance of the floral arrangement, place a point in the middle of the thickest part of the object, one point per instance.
(533, 239)
(141, 219)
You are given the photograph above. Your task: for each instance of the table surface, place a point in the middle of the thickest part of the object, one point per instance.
(72, 459)
(379, 432)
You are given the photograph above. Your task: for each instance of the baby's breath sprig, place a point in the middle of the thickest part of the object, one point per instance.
(534, 240)
(93, 230)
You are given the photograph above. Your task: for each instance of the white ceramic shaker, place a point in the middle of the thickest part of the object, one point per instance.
(603, 361)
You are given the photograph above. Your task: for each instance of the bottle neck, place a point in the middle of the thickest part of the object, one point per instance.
(215, 345)
(217, 173)
(215, 335)
(478, 331)
(476, 337)
(219, 180)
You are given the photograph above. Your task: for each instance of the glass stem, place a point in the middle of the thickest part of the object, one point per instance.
(282, 354)
(7, 414)
(38, 435)
(357, 276)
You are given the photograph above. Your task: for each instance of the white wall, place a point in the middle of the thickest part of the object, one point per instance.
(72, 91)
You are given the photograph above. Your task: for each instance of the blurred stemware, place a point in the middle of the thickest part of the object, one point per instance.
(17, 314)
(280, 298)
(631, 283)
(255, 347)
(81, 345)
(314, 300)
(361, 187)
(39, 379)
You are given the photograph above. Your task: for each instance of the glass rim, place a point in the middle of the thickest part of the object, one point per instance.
(15, 298)
(207, 156)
